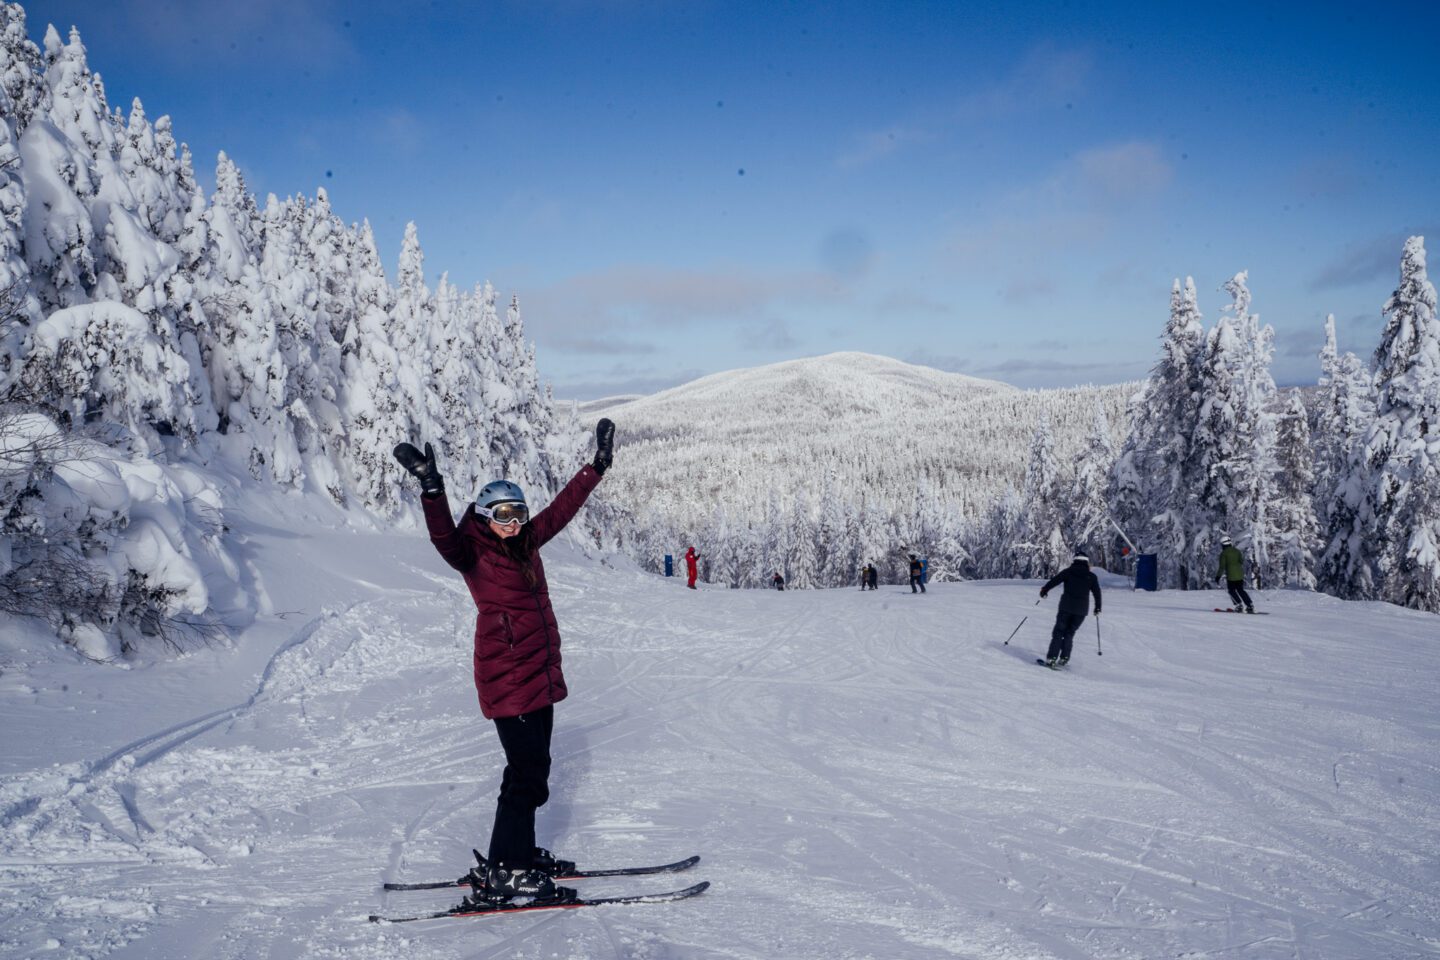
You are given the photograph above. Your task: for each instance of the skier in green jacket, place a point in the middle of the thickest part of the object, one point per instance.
(1232, 568)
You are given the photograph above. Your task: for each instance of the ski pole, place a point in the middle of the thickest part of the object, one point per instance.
(1018, 626)
(1098, 651)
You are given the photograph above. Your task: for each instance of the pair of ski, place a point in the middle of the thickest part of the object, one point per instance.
(1260, 613)
(1046, 663)
(473, 908)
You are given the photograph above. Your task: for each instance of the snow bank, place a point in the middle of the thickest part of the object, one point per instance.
(145, 533)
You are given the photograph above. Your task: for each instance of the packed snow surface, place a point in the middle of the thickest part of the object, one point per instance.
(865, 774)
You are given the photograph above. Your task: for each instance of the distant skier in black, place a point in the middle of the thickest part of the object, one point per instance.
(917, 574)
(1078, 581)
(777, 581)
(873, 578)
(1232, 568)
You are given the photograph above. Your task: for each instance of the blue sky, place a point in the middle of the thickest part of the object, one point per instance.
(676, 188)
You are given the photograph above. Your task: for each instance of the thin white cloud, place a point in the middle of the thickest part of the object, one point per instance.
(305, 33)
(601, 346)
(1123, 170)
(1047, 77)
(1069, 208)
(875, 145)
(1375, 259)
(644, 296)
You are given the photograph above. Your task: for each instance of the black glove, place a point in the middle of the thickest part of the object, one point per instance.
(604, 445)
(1043, 594)
(422, 467)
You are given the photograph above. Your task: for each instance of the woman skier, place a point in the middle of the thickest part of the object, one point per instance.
(495, 547)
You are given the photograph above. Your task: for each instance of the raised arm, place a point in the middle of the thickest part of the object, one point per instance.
(454, 548)
(550, 521)
(563, 508)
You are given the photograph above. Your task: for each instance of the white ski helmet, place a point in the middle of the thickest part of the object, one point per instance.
(499, 491)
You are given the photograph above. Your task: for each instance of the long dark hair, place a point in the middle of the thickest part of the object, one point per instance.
(519, 548)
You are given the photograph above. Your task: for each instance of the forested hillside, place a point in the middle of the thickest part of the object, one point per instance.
(159, 347)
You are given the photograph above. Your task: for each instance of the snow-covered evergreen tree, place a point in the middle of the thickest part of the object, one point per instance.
(1345, 408)
(22, 70)
(835, 555)
(413, 335)
(1296, 530)
(1087, 512)
(1215, 461)
(1250, 520)
(1402, 446)
(1039, 548)
(1154, 479)
(19, 79)
(247, 367)
(60, 179)
(373, 404)
(802, 564)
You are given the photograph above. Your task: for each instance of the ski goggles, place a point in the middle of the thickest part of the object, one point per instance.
(511, 512)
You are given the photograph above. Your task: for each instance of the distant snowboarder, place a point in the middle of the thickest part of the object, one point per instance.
(1232, 568)
(692, 570)
(496, 548)
(777, 581)
(1078, 581)
(917, 575)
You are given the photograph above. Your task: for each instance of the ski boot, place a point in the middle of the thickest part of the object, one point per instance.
(493, 883)
(503, 884)
(547, 862)
(543, 860)
(1063, 661)
(1052, 663)
(1249, 609)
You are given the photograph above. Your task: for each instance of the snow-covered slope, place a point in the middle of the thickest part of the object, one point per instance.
(865, 774)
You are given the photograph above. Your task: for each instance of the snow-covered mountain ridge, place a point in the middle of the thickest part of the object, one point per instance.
(863, 383)
(878, 432)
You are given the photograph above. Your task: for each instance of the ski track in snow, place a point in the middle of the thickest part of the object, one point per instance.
(866, 774)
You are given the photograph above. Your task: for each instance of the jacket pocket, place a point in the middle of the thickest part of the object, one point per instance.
(507, 631)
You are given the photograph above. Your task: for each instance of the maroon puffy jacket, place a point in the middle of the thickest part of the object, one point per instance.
(517, 643)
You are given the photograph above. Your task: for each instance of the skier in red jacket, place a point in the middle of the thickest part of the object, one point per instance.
(517, 649)
(690, 569)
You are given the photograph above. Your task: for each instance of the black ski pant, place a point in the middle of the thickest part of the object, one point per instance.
(525, 786)
(1064, 634)
(1238, 596)
(915, 578)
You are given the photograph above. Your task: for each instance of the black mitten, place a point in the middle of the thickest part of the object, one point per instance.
(604, 445)
(422, 467)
